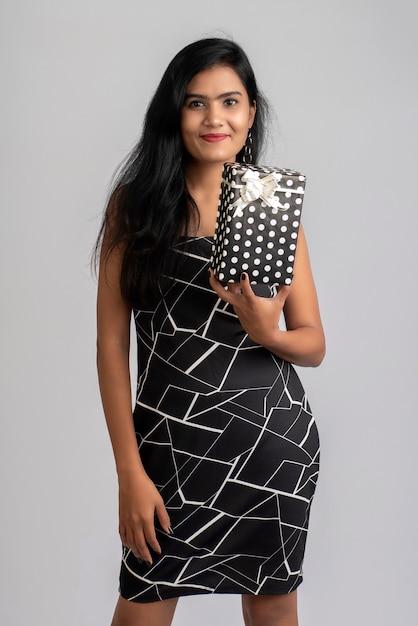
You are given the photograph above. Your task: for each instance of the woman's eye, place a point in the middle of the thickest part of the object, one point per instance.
(230, 102)
(195, 104)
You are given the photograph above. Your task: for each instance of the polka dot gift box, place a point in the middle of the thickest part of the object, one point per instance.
(258, 223)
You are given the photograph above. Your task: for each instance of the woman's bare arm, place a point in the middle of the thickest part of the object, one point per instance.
(303, 342)
(139, 499)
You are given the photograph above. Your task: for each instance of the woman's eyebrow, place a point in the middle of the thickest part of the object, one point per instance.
(228, 94)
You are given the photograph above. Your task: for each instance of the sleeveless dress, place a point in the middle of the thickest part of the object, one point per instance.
(226, 434)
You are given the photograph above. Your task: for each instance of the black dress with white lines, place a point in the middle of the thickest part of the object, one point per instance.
(226, 434)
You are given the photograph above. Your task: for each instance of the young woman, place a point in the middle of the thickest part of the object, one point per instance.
(218, 465)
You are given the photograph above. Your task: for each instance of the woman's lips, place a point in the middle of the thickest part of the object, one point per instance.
(214, 137)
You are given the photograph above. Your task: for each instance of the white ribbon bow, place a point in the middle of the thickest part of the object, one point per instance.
(255, 188)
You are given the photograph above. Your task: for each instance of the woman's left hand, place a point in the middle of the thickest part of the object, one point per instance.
(258, 316)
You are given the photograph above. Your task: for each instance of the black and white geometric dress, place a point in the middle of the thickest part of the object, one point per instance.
(226, 434)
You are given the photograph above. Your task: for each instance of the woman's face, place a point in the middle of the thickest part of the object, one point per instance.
(216, 115)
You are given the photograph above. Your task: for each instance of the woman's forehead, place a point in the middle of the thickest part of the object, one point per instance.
(215, 81)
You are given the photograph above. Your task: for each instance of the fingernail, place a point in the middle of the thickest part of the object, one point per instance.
(170, 531)
(148, 563)
(243, 276)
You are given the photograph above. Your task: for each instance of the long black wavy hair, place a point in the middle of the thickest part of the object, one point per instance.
(149, 205)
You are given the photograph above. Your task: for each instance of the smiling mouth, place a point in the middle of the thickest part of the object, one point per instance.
(214, 137)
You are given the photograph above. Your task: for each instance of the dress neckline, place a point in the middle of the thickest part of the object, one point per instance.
(196, 237)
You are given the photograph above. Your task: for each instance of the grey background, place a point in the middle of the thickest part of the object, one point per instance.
(76, 78)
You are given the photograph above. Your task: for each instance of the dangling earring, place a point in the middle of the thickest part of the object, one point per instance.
(247, 157)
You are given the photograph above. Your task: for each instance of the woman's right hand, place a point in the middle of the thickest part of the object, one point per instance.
(139, 502)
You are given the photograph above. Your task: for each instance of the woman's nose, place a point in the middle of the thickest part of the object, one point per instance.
(214, 115)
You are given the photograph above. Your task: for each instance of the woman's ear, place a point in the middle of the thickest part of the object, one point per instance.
(253, 109)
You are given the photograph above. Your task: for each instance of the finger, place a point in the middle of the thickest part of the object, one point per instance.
(123, 536)
(214, 282)
(282, 293)
(234, 288)
(245, 285)
(220, 290)
(134, 540)
(163, 518)
(141, 550)
(135, 545)
(151, 537)
(139, 545)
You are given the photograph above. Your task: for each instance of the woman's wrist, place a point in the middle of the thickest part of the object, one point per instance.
(127, 468)
(273, 340)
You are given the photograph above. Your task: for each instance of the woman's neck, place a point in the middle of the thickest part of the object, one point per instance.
(203, 177)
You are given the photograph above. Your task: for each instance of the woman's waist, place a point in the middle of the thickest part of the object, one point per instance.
(202, 366)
